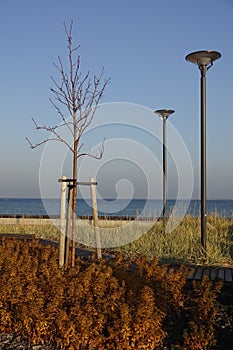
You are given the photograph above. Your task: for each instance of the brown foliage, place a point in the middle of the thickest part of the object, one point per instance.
(119, 304)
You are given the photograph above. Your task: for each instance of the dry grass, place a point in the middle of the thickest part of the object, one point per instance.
(182, 245)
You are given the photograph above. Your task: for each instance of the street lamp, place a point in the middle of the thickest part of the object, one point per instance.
(164, 114)
(204, 60)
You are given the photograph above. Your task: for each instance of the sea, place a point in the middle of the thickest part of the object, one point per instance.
(116, 208)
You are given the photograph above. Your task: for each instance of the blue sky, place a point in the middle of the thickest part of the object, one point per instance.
(142, 45)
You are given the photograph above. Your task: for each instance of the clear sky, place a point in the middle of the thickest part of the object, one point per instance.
(142, 46)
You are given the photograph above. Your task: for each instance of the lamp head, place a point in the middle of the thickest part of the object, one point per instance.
(164, 113)
(203, 58)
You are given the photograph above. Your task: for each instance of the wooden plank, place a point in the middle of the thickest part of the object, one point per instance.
(213, 274)
(198, 274)
(191, 276)
(221, 273)
(228, 275)
(62, 237)
(17, 235)
(206, 272)
(95, 217)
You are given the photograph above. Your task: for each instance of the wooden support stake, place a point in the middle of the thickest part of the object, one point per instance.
(95, 217)
(73, 231)
(62, 223)
(69, 224)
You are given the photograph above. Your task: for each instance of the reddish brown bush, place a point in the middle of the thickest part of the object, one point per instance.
(118, 304)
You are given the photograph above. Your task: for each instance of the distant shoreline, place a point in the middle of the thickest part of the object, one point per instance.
(54, 217)
(113, 199)
(116, 209)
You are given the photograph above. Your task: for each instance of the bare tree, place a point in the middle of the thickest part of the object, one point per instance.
(76, 98)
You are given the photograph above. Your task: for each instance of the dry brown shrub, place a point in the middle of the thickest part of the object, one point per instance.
(115, 304)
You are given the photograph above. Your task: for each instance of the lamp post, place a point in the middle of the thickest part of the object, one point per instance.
(204, 60)
(164, 114)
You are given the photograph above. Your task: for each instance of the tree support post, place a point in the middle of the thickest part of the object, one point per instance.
(95, 217)
(62, 223)
(69, 222)
(70, 227)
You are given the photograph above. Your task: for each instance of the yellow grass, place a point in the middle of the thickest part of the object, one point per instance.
(182, 245)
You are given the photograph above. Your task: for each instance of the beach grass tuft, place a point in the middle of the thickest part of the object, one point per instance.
(181, 245)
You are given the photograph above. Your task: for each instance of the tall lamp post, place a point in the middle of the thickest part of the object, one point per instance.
(164, 114)
(204, 60)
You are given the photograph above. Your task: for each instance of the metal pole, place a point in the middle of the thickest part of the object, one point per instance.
(203, 70)
(204, 60)
(164, 170)
(164, 113)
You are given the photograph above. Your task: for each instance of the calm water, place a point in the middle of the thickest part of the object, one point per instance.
(122, 207)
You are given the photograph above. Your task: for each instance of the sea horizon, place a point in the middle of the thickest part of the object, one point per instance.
(115, 207)
(111, 198)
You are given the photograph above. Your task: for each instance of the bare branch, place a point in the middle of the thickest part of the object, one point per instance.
(87, 116)
(30, 144)
(47, 140)
(37, 144)
(53, 131)
(68, 124)
(80, 147)
(95, 156)
(79, 95)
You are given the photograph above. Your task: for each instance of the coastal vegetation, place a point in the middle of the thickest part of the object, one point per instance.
(107, 304)
(182, 245)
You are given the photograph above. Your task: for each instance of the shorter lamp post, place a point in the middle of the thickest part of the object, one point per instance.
(204, 60)
(164, 114)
